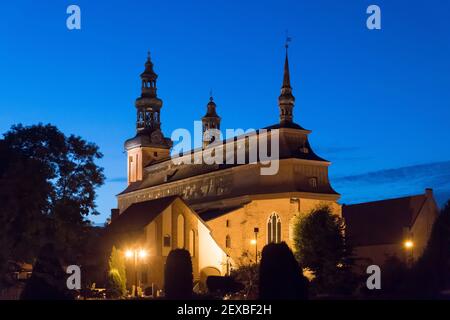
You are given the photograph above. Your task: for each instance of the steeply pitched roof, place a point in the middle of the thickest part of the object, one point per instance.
(139, 214)
(381, 222)
(160, 174)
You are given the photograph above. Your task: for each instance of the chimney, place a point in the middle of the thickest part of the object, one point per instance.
(114, 214)
(429, 192)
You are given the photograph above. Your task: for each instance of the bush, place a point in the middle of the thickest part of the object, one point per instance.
(48, 280)
(178, 278)
(430, 275)
(114, 285)
(247, 273)
(280, 276)
(223, 285)
(117, 281)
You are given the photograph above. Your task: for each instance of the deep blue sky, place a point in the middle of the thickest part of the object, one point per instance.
(375, 100)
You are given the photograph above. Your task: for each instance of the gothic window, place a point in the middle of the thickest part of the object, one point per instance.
(274, 229)
(180, 231)
(227, 241)
(227, 223)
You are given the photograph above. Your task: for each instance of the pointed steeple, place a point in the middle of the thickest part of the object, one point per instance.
(286, 99)
(286, 76)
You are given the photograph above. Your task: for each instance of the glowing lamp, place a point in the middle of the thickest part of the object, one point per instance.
(142, 253)
(128, 254)
(408, 244)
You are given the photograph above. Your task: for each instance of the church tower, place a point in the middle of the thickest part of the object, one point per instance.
(211, 122)
(286, 99)
(149, 143)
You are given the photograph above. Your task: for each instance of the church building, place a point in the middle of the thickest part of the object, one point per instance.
(222, 212)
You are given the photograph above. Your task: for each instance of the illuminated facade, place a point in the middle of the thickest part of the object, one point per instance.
(227, 201)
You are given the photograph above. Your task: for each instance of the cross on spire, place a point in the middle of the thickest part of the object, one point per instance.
(286, 99)
(288, 39)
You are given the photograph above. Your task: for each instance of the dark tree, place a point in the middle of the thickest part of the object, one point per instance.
(48, 280)
(47, 189)
(178, 278)
(431, 273)
(320, 246)
(23, 218)
(280, 276)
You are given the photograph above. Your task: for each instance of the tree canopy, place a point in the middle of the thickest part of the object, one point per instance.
(320, 246)
(48, 187)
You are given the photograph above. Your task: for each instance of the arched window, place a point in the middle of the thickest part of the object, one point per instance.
(192, 243)
(180, 231)
(274, 229)
(227, 241)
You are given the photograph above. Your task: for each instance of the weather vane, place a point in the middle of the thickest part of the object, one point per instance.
(288, 39)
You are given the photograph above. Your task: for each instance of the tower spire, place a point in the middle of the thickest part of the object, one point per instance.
(210, 122)
(286, 99)
(149, 143)
(286, 75)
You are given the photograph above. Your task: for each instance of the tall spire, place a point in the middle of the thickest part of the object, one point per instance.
(286, 76)
(286, 99)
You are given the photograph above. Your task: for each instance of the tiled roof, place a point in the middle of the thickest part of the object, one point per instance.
(139, 214)
(161, 174)
(381, 222)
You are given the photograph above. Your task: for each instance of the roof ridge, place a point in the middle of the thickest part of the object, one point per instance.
(385, 200)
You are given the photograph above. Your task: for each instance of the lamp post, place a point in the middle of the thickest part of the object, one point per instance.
(135, 254)
(255, 243)
(409, 246)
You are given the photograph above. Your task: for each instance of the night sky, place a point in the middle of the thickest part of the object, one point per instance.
(378, 102)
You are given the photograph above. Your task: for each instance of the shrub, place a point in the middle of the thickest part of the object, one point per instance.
(117, 282)
(48, 280)
(178, 278)
(280, 276)
(114, 285)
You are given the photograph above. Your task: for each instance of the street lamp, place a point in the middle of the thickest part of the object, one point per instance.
(255, 243)
(136, 254)
(409, 246)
